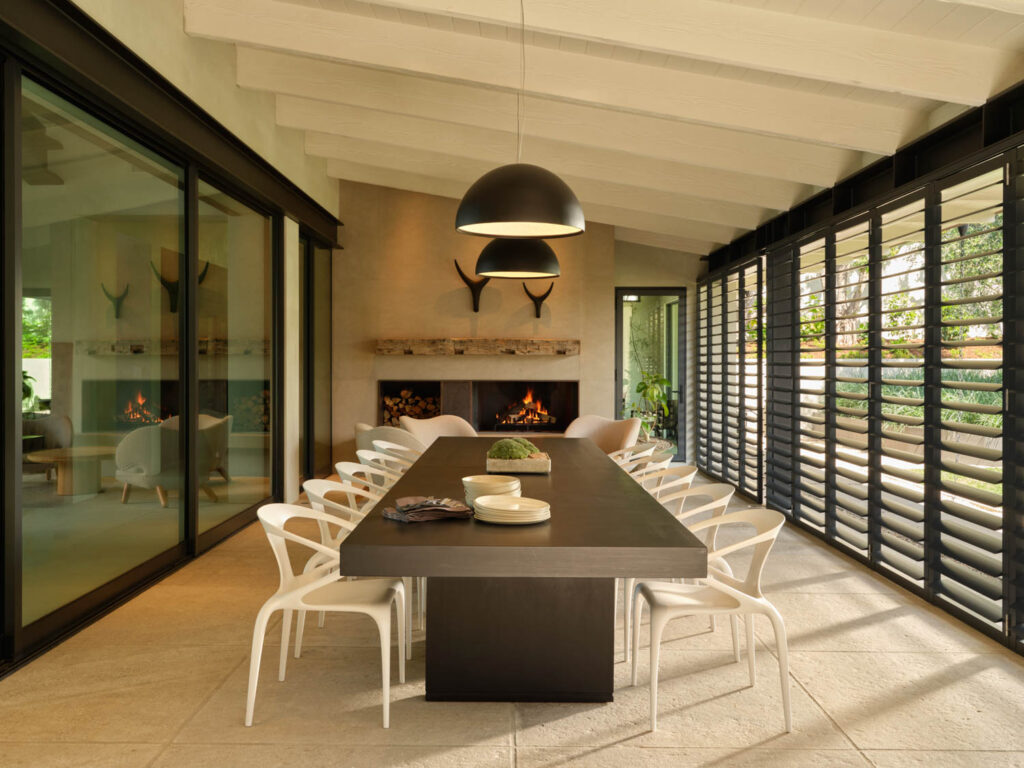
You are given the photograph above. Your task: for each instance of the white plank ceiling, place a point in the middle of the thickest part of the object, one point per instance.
(683, 123)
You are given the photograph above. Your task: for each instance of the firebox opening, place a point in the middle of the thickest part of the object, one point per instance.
(525, 406)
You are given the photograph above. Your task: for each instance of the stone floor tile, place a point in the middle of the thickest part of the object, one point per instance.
(129, 693)
(332, 695)
(930, 759)
(705, 700)
(678, 757)
(939, 701)
(331, 756)
(81, 755)
(873, 622)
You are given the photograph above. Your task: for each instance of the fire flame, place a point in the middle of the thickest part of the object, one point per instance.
(526, 411)
(136, 411)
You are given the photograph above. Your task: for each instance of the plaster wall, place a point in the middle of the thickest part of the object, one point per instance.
(396, 278)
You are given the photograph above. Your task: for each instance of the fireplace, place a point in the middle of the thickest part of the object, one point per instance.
(490, 406)
(525, 406)
(120, 405)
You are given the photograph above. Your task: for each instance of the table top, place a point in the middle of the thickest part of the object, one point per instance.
(54, 455)
(603, 523)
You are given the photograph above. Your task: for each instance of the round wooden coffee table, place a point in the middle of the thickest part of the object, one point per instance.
(78, 467)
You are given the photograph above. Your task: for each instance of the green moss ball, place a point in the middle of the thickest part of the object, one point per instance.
(508, 449)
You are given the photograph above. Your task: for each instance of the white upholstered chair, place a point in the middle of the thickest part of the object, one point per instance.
(428, 430)
(609, 434)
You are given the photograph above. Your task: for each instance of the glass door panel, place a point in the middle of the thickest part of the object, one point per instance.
(102, 223)
(234, 357)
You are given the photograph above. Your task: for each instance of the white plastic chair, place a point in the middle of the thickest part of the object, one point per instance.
(674, 477)
(715, 498)
(320, 590)
(609, 435)
(403, 453)
(383, 461)
(365, 438)
(637, 451)
(644, 470)
(377, 481)
(428, 430)
(360, 502)
(722, 593)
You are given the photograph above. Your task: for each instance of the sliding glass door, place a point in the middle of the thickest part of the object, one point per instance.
(234, 317)
(102, 233)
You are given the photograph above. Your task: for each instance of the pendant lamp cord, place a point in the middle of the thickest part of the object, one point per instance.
(521, 99)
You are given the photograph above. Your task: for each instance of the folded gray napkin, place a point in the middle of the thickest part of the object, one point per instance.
(421, 509)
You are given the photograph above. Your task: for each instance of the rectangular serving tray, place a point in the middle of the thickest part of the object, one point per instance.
(530, 466)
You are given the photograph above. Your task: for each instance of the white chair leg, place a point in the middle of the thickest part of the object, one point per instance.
(657, 628)
(403, 648)
(407, 582)
(615, 604)
(627, 619)
(748, 620)
(300, 628)
(320, 619)
(423, 602)
(258, 633)
(384, 627)
(286, 629)
(734, 625)
(783, 647)
(638, 614)
(711, 622)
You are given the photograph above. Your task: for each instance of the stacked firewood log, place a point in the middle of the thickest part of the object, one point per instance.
(408, 403)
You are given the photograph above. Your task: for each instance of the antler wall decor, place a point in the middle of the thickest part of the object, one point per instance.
(475, 286)
(539, 300)
(173, 286)
(116, 301)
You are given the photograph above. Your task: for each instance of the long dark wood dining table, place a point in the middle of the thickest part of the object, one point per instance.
(524, 613)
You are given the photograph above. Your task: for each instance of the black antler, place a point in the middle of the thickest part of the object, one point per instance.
(539, 300)
(116, 301)
(475, 286)
(173, 287)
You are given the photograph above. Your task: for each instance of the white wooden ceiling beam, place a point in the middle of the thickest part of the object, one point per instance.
(597, 165)
(709, 236)
(552, 73)
(742, 36)
(580, 166)
(589, 126)
(692, 248)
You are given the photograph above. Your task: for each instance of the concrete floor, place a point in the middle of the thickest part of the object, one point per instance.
(878, 678)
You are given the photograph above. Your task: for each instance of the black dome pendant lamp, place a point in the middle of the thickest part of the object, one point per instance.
(520, 200)
(520, 258)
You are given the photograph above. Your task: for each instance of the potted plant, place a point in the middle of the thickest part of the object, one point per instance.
(653, 391)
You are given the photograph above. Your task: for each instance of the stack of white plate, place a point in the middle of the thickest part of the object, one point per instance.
(511, 510)
(490, 485)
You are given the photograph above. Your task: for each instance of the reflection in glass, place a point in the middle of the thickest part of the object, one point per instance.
(99, 353)
(234, 325)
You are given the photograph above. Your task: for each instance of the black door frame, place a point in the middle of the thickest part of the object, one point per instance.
(679, 292)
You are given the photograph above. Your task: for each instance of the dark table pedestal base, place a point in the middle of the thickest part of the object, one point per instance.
(520, 639)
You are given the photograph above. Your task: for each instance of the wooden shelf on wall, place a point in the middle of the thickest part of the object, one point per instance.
(439, 347)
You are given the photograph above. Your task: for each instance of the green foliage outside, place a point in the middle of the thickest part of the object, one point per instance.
(36, 328)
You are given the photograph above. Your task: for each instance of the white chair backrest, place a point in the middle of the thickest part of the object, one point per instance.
(406, 456)
(361, 475)
(713, 498)
(388, 467)
(428, 430)
(766, 524)
(358, 501)
(609, 434)
(274, 518)
(638, 451)
(674, 477)
(399, 436)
